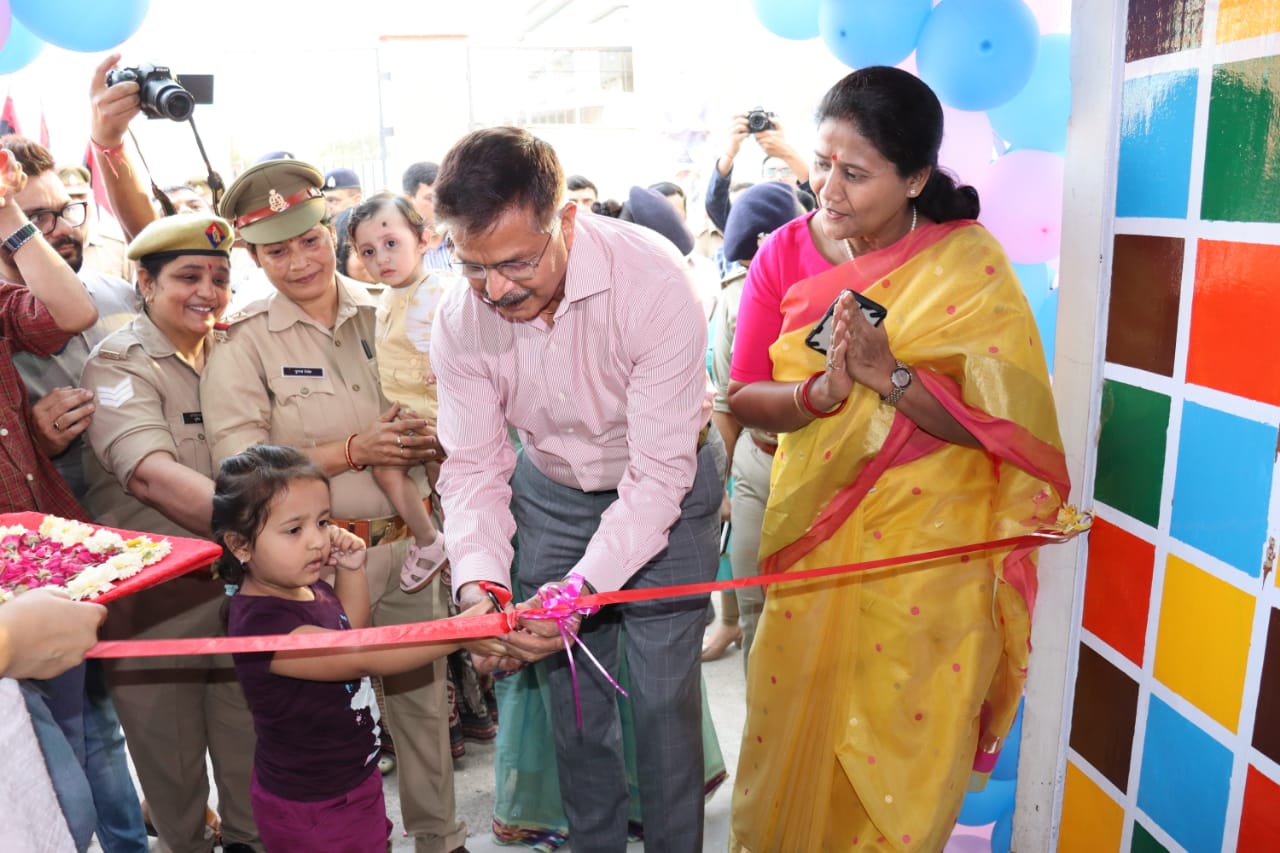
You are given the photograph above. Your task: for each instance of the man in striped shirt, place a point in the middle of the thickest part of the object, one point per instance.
(585, 335)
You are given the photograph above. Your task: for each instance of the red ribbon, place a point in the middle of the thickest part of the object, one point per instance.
(495, 624)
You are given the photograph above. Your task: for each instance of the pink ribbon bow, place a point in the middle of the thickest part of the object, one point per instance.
(560, 602)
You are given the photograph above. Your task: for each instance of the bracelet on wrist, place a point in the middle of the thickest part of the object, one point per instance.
(795, 398)
(351, 463)
(108, 150)
(20, 238)
(808, 404)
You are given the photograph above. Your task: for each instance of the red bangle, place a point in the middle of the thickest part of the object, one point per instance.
(351, 463)
(808, 404)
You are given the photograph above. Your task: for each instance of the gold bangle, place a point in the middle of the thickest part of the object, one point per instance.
(795, 398)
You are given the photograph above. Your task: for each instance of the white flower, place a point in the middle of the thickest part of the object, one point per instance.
(64, 531)
(104, 542)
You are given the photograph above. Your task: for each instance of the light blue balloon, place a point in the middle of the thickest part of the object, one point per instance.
(872, 32)
(978, 54)
(87, 26)
(19, 49)
(790, 19)
(1002, 835)
(1037, 116)
(988, 805)
(1037, 283)
(1007, 764)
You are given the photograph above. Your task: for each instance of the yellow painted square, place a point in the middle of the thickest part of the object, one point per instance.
(1091, 821)
(1242, 19)
(1202, 645)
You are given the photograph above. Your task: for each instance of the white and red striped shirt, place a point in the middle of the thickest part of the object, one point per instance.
(611, 396)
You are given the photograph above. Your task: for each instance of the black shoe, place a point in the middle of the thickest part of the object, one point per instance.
(237, 847)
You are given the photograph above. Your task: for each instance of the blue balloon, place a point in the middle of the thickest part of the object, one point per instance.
(20, 49)
(1037, 116)
(790, 19)
(87, 26)
(988, 805)
(1043, 299)
(1002, 835)
(978, 54)
(1007, 764)
(872, 32)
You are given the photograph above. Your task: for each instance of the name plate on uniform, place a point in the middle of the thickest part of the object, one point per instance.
(303, 372)
(192, 418)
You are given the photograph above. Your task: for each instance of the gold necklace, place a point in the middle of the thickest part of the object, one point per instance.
(848, 242)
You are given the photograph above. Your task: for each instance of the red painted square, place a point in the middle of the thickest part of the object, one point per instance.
(1117, 588)
(1260, 821)
(1233, 346)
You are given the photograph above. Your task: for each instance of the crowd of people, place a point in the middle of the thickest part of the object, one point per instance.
(494, 390)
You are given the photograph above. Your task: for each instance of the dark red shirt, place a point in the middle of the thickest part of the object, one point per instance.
(316, 739)
(28, 480)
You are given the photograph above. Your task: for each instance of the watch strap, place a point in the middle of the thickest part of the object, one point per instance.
(19, 238)
(895, 395)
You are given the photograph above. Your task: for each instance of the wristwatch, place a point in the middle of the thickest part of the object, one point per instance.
(19, 238)
(901, 379)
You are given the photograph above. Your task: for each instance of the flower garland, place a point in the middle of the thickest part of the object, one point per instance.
(78, 558)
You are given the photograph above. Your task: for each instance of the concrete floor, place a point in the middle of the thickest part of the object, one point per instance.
(473, 778)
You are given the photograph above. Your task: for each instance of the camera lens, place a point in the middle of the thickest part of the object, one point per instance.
(173, 102)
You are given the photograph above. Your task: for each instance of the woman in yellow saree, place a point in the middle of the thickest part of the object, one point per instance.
(875, 699)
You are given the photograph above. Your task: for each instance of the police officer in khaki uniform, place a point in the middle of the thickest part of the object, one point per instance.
(298, 369)
(150, 470)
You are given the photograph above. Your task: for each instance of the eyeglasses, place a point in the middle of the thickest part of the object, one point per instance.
(73, 213)
(510, 270)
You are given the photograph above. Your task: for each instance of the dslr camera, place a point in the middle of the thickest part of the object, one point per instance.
(162, 96)
(758, 120)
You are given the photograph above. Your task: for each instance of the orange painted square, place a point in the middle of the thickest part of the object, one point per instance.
(1117, 588)
(1242, 19)
(1233, 345)
(1260, 821)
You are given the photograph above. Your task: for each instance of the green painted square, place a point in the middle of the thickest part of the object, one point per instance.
(1144, 843)
(1242, 145)
(1135, 427)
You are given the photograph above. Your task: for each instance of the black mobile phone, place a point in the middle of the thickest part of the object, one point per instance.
(819, 337)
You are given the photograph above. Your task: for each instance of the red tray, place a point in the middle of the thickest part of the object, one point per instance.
(186, 555)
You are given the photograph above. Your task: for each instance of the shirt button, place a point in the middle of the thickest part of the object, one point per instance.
(337, 343)
(305, 392)
(570, 429)
(355, 387)
(551, 347)
(3, 432)
(561, 395)
(200, 436)
(31, 478)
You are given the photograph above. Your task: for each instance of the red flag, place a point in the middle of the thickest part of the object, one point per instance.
(95, 180)
(9, 117)
(44, 130)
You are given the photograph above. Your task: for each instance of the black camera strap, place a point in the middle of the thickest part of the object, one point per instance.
(215, 180)
(165, 204)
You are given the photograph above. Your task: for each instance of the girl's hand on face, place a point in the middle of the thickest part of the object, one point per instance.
(346, 550)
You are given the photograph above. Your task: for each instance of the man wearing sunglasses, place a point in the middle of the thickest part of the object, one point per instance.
(585, 334)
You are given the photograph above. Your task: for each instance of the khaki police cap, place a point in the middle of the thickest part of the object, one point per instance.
(183, 234)
(275, 200)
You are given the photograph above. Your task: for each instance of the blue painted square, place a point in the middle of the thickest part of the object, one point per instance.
(1223, 486)
(1185, 780)
(1157, 115)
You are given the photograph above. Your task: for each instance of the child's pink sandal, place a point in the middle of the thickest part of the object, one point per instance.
(422, 565)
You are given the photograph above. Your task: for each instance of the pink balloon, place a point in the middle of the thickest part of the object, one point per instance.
(1053, 16)
(1021, 194)
(968, 144)
(967, 844)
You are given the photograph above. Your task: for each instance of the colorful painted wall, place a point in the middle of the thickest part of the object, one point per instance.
(1174, 734)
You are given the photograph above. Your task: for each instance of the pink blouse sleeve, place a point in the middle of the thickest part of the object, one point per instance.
(760, 315)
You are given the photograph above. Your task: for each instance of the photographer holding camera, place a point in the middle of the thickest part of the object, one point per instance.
(768, 133)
